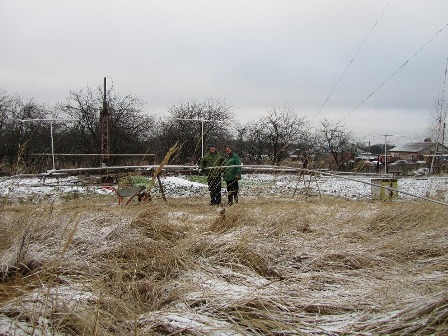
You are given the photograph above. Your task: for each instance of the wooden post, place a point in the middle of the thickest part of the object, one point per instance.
(161, 188)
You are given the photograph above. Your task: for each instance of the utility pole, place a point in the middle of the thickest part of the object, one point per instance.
(104, 130)
(385, 151)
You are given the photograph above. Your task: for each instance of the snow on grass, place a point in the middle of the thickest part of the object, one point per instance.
(251, 185)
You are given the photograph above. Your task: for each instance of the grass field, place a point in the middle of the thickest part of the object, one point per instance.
(266, 266)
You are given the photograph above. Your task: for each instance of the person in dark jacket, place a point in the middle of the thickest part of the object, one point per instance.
(207, 166)
(232, 174)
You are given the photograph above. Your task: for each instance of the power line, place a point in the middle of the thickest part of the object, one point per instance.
(395, 72)
(353, 58)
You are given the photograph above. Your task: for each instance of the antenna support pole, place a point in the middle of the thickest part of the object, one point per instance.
(104, 129)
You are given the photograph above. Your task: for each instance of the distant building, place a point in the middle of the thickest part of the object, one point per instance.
(417, 151)
(364, 155)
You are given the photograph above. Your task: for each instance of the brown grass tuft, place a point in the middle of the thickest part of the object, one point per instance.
(260, 316)
(266, 266)
(341, 261)
(230, 219)
(154, 224)
(423, 318)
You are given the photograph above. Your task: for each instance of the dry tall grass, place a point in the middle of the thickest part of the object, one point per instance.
(266, 266)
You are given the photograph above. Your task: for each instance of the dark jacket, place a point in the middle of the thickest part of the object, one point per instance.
(231, 173)
(211, 160)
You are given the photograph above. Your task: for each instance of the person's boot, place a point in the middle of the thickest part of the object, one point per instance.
(235, 198)
(230, 199)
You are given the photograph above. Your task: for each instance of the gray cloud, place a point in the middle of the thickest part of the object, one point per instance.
(255, 54)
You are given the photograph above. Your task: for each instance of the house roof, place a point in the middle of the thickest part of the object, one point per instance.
(414, 147)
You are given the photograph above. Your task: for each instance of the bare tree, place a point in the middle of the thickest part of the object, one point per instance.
(239, 143)
(84, 106)
(308, 148)
(282, 129)
(336, 141)
(189, 121)
(437, 121)
(18, 140)
(129, 126)
(256, 143)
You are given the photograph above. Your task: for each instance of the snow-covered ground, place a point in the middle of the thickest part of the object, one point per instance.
(353, 187)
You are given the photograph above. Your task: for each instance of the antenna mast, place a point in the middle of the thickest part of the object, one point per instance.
(104, 129)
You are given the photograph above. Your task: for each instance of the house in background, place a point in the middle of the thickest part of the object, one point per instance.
(417, 151)
(362, 155)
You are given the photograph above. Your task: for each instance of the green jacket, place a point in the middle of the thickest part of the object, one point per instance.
(211, 160)
(231, 173)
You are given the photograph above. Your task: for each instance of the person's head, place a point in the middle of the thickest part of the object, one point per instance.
(228, 149)
(212, 148)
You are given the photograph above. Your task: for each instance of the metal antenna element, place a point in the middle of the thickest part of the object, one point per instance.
(202, 129)
(51, 133)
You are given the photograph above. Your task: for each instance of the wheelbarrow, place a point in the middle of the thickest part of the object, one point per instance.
(130, 193)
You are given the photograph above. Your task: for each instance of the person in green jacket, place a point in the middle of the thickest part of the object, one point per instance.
(207, 167)
(232, 174)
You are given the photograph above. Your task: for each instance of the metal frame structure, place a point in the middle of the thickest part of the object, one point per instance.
(267, 168)
(104, 129)
(51, 133)
(202, 129)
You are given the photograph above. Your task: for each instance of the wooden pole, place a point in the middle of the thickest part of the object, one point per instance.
(162, 191)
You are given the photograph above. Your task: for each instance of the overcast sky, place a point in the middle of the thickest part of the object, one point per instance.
(376, 65)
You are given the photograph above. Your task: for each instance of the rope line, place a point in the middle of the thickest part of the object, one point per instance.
(319, 172)
(387, 188)
(264, 168)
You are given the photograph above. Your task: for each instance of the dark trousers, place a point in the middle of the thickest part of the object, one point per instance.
(232, 191)
(214, 186)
